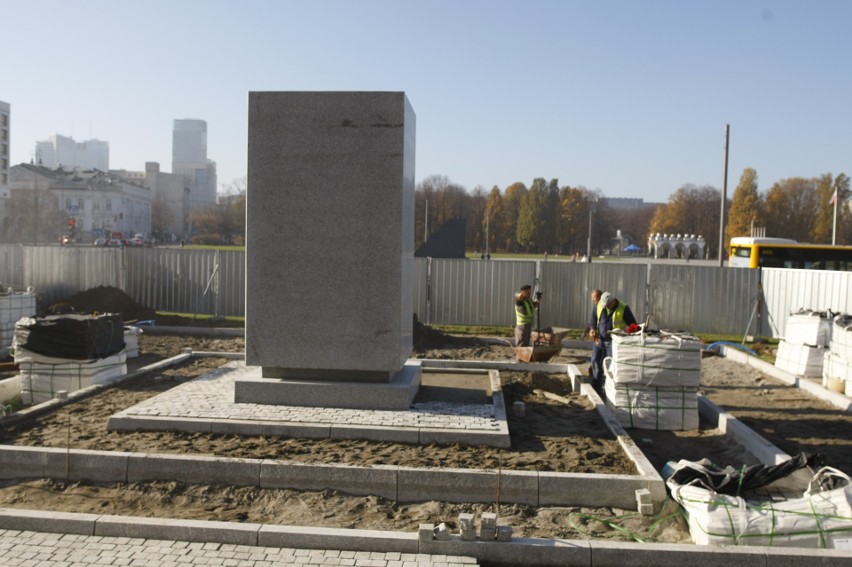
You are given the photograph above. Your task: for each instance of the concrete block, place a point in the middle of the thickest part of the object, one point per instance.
(487, 534)
(643, 496)
(410, 435)
(796, 557)
(396, 392)
(520, 552)
(646, 509)
(467, 521)
(332, 538)
(271, 429)
(426, 532)
(127, 422)
(47, 521)
(377, 480)
(21, 462)
(193, 469)
(330, 221)
(499, 439)
(584, 489)
(628, 554)
(489, 520)
(82, 464)
(177, 530)
(442, 532)
(504, 533)
(465, 485)
(468, 534)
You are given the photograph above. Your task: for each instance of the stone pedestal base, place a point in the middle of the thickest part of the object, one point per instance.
(397, 394)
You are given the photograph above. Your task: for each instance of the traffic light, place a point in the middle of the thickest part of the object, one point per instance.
(72, 228)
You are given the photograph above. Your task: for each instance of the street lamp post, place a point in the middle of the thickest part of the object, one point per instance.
(589, 241)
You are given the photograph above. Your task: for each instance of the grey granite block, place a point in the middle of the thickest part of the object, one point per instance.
(193, 469)
(330, 231)
(47, 521)
(584, 489)
(465, 485)
(628, 554)
(518, 552)
(377, 480)
(177, 530)
(332, 538)
(82, 464)
(20, 462)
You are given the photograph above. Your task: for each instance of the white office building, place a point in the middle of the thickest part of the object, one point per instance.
(62, 151)
(189, 158)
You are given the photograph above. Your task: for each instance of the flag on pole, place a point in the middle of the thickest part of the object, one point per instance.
(834, 198)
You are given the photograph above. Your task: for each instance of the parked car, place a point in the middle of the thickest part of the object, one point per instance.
(114, 243)
(100, 242)
(136, 242)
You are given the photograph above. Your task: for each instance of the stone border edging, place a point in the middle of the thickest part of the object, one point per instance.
(520, 551)
(397, 483)
(838, 400)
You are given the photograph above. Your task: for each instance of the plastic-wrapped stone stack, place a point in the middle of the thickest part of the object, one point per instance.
(802, 350)
(14, 305)
(837, 363)
(652, 380)
(68, 353)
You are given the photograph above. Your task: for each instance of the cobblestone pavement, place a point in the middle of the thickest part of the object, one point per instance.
(212, 397)
(37, 549)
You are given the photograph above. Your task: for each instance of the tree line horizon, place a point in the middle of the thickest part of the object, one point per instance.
(545, 217)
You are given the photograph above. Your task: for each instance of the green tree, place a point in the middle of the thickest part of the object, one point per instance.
(491, 223)
(512, 198)
(745, 210)
(573, 227)
(790, 207)
(474, 211)
(532, 217)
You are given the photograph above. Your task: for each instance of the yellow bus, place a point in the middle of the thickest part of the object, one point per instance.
(749, 252)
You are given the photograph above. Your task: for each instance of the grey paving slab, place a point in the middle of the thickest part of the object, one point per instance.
(207, 404)
(26, 548)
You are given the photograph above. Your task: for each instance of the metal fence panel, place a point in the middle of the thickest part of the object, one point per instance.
(12, 265)
(455, 292)
(703, 299)
(567, 288)
(790, 290)
(476, 292)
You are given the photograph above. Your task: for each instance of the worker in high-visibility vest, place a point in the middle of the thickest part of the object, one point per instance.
(525, 307)
(612, 314)
(596, 362)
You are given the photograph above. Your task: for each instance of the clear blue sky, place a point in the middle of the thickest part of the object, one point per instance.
(627, 96)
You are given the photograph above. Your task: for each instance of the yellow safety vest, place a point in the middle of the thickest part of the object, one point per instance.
(524, 313)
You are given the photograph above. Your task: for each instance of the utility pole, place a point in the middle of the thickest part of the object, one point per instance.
(724, 198)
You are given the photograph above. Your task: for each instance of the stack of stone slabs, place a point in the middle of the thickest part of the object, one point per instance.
(806, 336)
(652, 380)
(837, 362)
(14, 305)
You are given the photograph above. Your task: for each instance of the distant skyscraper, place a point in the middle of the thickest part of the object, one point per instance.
(64, 151)
(189, 158)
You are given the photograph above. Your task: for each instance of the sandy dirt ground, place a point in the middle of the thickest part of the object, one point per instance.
(552, 436)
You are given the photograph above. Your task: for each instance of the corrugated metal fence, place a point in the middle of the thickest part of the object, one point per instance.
(454, 292)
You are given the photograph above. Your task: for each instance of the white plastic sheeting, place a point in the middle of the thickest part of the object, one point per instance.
(819, 519)
(43, 376)
(656, 359)
(808, 327)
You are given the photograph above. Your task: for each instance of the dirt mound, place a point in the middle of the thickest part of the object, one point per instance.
(104, 299)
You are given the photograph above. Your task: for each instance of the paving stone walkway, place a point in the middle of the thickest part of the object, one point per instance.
(37, 549)
(211, 397)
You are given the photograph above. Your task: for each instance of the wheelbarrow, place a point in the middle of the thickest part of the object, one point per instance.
(546, 344)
